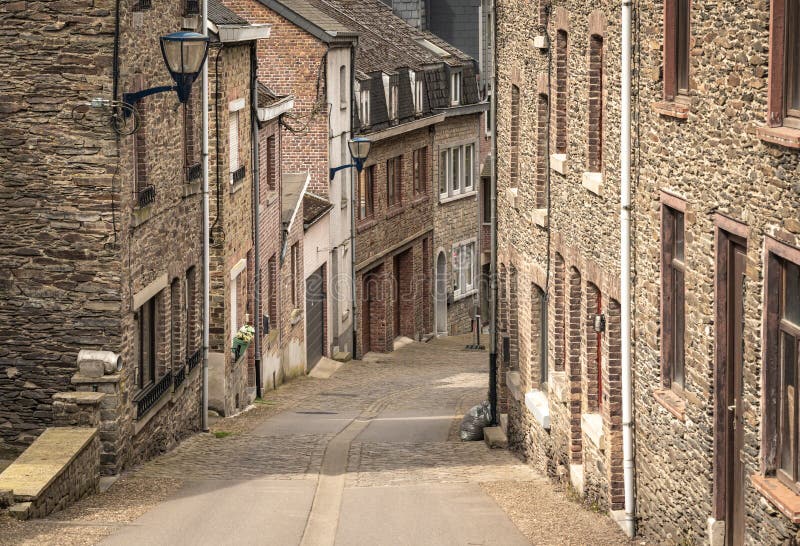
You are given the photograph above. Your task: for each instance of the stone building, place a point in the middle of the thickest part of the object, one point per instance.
(232, 212)
(715, 247)
(309, 58)
(102, 226)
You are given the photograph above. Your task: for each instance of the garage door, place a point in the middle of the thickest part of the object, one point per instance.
(315, 317)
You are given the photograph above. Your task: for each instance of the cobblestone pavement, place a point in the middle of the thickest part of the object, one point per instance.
(413, 400)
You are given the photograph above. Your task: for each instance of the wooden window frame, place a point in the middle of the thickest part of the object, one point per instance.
(366, 193)
(394, 177)
(777, 114)
(148, 312)
(673, 294)
(677, 65)
(420, 166)
(456, 88)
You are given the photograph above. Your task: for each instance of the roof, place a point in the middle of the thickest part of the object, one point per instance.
(311, 16)
(293, 186)
(221, 15)
(268, 97)
(314, 208)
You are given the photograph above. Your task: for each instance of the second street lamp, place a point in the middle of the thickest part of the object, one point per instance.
(359, 150)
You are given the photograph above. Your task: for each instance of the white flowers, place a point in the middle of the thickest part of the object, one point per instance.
(246, 333)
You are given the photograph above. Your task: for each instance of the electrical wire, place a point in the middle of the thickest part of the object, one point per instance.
(543, 28)
(216, 138)
(321, 101)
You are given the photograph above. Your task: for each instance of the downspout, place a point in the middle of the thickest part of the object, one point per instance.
(629, 523)
(206, 254)
(353, 181)
(256, 212)
(493, 229)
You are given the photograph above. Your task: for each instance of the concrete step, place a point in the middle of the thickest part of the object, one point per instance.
(495, 438)
(342, 356)
(325, 368)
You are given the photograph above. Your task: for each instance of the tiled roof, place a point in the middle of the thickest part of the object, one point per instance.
(312, 16)
(220, 15)
(314, 207)
(267, 97)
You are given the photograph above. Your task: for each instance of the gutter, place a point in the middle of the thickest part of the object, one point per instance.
(255, 159)
(406, 127)
(268, 113)
(493, 232)
(628, 523)
(206, 231)
(242, 33)
(464, 110)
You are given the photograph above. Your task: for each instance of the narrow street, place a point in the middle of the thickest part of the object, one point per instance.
(370, 456)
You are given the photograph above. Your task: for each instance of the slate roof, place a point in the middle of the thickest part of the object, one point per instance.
(293, 186)
(267, 97)
(314, 207)
(220, 15)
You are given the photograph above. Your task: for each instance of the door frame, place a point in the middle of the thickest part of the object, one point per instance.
(729, 232)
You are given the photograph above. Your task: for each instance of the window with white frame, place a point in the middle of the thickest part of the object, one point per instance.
(456, 170)
(418, 100)
(236, 167)
(235, 288)
(363, 105)
(463, 268)
(393, 100)
(342, 87)
(455, 88)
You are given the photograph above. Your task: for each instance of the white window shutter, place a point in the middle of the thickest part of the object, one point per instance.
(233, 133)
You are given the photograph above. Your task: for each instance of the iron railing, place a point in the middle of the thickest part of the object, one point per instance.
(178, 377)
(193, 360)
(195, 172)
(148, 398)
(142, 5)
(146, 196)
(192, 7)
(238, 175)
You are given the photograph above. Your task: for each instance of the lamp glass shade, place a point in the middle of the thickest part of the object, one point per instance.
(359, 148)
(184, 52)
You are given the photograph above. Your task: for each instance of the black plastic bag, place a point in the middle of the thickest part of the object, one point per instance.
(474, 421)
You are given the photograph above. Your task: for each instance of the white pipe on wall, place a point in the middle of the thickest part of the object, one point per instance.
(628, 523)
(206, 249)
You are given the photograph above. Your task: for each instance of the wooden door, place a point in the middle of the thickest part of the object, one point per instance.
(733, 279)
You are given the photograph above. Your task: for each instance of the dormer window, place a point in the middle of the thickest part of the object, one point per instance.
(418, 80)
(363, 106)
(393, 99)
(455, 88)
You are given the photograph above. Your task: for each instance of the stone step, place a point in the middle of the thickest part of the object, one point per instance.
(342, 356)
(495, 438)
(504, 423)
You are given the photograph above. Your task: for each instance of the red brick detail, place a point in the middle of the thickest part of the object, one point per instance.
(574, 369)
(543, 118)
(595, 132)
(594, 350)
(561, 91)
(612, 406)
(559, 314)
(515, 128)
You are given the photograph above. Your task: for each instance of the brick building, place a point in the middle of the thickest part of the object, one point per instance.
(715, 247)
(231, 170)
(102, 226)
(310, 58)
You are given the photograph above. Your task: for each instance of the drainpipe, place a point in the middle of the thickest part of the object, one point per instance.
(629, 524)
(256, 213)
(206, 258)
(353, 181)
(493, 230)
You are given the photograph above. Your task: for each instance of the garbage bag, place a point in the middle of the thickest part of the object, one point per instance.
(474, 421)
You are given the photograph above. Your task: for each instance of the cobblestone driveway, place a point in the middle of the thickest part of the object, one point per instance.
(414, 399)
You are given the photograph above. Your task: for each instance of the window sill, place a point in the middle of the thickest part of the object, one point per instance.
(672, 402)
(558, 386)
(395, 210)
(538, 406)
(365, 224)
(459, 297)
(143, 214)
(192, 188)
(422, 198)
(539, 217)
(592, 427)
(782, 136)
(671, 109)
(236, 186)
(558, 163)
(783, 498)
(593, 182)
(451, 198)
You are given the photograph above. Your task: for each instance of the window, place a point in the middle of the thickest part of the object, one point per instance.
(393, 99)
(236, 288)
(783, 361)
(468, 167)
(272, 285)
(363, 105)
(463, 268)
(295, 272)
(418, 90)
(455, 88)
(272, 163)
(147, 343)
(792, 74)
(233, 142)
(140, 142)
(486, 198)
(487, 116)
(561, 92)
(175, 324)
(366, 192)
(595, 135)
(514, 136)
(194, 170)
(456, 170)
(342, 87)
(672, 294)
(676, 49)
(420, 170)
(394, 180)
(594, 348)
(539, 335)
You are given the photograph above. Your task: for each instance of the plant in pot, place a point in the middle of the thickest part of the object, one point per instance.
(241, 340)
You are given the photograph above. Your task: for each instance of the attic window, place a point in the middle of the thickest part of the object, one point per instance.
(363, 106)
(393, 100)
(417, 78)
(430, 46)
(455, 88)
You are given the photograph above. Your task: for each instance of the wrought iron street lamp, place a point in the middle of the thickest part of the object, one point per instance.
(184, 54)
(359, 150)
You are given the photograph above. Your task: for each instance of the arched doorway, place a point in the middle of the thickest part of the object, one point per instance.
(441, 293)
